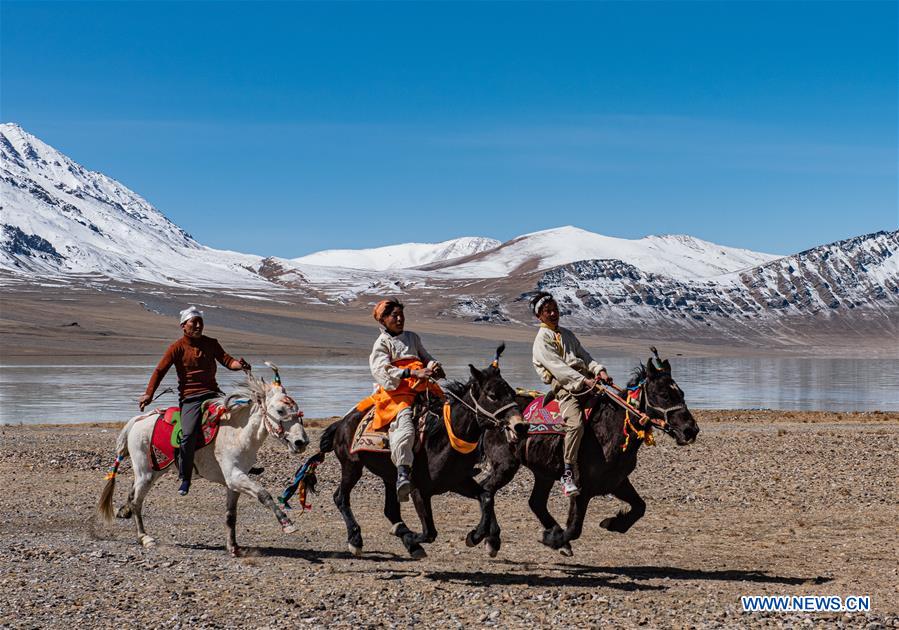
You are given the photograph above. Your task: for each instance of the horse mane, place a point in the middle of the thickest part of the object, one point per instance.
(434, 423)
(252, 389)
(639, 374)
(458, 388)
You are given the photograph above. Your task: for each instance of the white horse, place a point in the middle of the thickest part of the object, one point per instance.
(254, 411)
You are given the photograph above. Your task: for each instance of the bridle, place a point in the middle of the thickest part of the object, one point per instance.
(478, 410)
(643, 403)
(663, 410)
(274, 425)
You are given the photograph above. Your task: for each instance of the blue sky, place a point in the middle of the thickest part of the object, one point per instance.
(284, 128)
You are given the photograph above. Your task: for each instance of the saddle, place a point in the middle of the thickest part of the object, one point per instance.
(544, 416)
(167, 432)
(371, 440)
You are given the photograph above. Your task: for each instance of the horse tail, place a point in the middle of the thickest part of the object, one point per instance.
(326, 442)
(104, 507)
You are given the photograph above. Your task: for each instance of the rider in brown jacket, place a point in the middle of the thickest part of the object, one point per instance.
(194, 357)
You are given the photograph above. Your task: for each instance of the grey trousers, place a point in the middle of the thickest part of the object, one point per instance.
(191, 414)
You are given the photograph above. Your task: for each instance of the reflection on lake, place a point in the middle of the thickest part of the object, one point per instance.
(83, 393)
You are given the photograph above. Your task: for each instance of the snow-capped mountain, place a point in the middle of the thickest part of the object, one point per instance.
(60, 220)
(58, 217)
(831, 280)
(399, 256)
(682, 257)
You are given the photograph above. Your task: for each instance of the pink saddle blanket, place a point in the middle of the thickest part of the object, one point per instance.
(162, 450)
(545, 419)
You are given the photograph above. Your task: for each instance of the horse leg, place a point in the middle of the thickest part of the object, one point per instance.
(350, 475)
(411, 540)
(231, 522)
(143, 481)
(500, 475)
(473, 490)
(576, 513)
(625, 518)
(553, 536)
(125, 510)
(426, 516)
(239, 481)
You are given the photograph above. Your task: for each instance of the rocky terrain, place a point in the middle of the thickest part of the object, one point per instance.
(764, 503)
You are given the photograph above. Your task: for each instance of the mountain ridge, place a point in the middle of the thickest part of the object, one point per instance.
(63, 221)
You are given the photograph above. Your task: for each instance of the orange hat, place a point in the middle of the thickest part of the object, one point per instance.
(383, 307)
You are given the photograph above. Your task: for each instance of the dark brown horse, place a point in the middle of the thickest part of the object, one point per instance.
(604, 463)
(484, 404)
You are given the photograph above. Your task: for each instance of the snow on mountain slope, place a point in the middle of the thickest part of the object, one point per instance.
(835, 280)
(60, 220)
(58, 217)
(399, 256)
(681, 257)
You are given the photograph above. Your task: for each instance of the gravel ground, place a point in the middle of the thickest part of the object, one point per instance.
(763, 503)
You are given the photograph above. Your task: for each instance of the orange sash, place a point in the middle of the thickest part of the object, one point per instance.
(456, 442)
(388, 404)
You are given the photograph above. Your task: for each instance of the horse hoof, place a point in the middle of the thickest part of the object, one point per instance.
(147, 541)
(124, 512)
(566, 551)
(491, 550)
(356, 551)
(289, 528)
(469, 540)
(235, 552)
(418, 554)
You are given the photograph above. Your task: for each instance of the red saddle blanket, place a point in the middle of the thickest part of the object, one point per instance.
(162, 445)
(544, 419)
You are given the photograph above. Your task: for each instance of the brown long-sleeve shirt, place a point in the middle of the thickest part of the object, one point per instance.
(194, 360)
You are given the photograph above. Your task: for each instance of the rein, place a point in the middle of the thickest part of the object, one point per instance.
(478, 410)
(644, 419)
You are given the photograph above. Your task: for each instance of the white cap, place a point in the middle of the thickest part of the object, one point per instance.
(189, 313)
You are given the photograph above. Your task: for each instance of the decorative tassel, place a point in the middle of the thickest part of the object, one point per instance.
(301, 483)
(114, 469)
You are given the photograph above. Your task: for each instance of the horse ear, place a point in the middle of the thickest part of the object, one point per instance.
(651, 367)
(476, 374)
(666, 365)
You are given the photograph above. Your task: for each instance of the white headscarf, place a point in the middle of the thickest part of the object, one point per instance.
(189, 313)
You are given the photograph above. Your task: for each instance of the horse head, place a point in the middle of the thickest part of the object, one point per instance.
(494, 398)
(664, 400)
(281, 414)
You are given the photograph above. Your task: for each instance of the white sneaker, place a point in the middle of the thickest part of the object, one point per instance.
(569, 488)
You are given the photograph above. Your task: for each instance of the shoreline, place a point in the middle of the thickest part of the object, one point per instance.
(772, 417)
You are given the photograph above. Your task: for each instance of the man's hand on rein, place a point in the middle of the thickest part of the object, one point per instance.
(422, 373)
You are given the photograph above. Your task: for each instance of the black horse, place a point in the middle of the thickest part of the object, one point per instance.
(484, 404)
(604, 461)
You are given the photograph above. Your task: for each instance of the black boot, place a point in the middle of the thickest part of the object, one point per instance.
(403, 483)
(186, 466)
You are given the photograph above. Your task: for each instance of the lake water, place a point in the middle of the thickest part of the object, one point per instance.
(86, 393)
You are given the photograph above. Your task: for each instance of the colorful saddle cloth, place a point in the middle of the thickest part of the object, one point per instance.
(367, 438)
(167, 432)
(545, 419)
